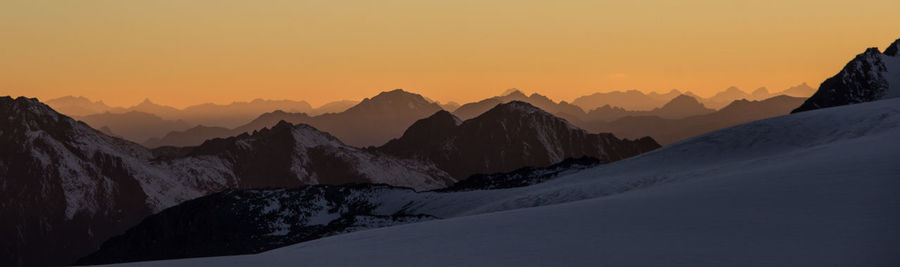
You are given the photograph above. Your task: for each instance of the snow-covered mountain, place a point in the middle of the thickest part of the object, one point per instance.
(870, 76)
(810, 189)
(66, 187)
(249, 221)
(292, 155)
(505, 138)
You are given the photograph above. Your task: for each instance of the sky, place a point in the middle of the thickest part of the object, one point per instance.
(188, 52)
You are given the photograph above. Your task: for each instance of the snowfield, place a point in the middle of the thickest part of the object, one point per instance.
(817, 188)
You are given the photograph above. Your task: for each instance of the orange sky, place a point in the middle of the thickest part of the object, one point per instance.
(187, 52)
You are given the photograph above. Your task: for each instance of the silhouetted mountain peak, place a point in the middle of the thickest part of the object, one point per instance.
(422, 131)
(868, 77)
(444, 117)
(396, 99)
(893, 49)
(282, 124)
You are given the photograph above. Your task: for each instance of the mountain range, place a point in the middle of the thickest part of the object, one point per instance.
(824, 181)
(211, 120)
(347, 125)
(76, 186)
(813, 188)
(208, 114)
(135, 125)
(638, 101)
(668, 131)
(816, 187)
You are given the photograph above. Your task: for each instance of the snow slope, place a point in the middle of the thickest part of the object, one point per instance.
(813, 188)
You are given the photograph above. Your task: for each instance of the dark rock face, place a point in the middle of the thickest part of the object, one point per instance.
(67, 187)
(522, 177)
(60, 199)
(505, 138)
(870, 76)
(250, 221)
(254, 220)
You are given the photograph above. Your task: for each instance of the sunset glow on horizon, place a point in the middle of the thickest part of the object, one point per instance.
(189, 52)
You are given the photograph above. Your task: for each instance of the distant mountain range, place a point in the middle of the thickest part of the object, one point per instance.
(399, 109)
(212, 120)
(679, 107)
(135, 125)
(208, 114)
(668, 131)
(637, 101)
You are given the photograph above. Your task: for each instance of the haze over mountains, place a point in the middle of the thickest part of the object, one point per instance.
(668, 131)
(398, 109)
(134, 122)
(637, 100)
